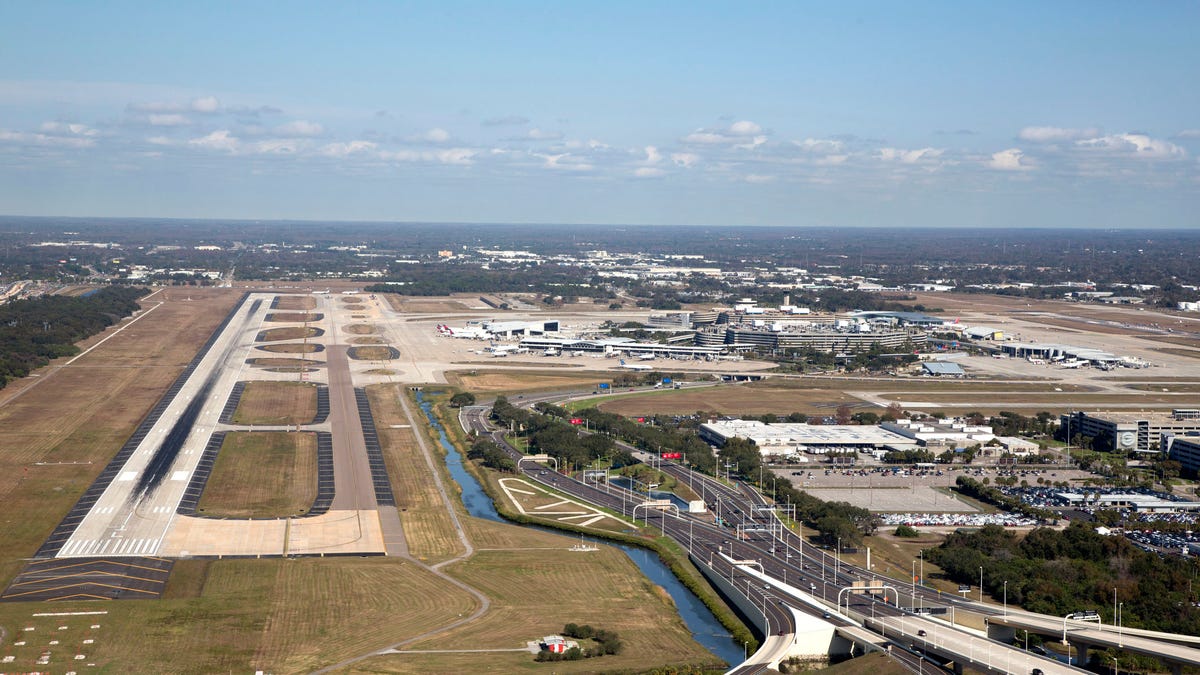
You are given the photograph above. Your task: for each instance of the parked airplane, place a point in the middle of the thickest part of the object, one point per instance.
(646, 357)
(631, 366)
(471, 332)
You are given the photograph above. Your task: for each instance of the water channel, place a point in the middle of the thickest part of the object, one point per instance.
(696, 616)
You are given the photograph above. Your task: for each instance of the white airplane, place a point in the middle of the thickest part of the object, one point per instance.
(632, 366)
(469, 332)
(646, 357)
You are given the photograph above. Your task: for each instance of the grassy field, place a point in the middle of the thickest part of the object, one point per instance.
(423, 305)
(288, 333)
(76, 417)
(295, 317)
(291, 348)
(360, 329)
(371, 353)
(733, 400)
(922, 385)
(427, 526)
(262, 474)
(300, 303)
(537, 585)
(277, 403)
(274, 615)
(495, 382)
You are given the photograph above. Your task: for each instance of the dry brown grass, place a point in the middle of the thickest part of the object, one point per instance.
(368, 341)
(496, 381)
(371, 353)
(382, 371)
(427, 305)
(733, 400)
(1189, 353)
(1174, 340)
(262, 474)
(287, 333)
(277, 403)
(84, 412)
(295, 317)
(283, 616)
(291, 348)
(293, 302)
(536, 586)
(360, 329)
(427, 527)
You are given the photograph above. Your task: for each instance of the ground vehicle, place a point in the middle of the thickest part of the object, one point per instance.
(921, 633)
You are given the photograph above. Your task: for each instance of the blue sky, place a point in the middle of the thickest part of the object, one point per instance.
(1050, 114)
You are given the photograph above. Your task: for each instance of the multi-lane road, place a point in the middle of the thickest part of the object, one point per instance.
(780, 555)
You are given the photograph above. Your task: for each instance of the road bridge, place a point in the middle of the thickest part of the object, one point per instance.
(1084, 635)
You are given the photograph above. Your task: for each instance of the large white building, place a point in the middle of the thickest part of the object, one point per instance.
(942, 432)
(1131, 432)
(787, 438)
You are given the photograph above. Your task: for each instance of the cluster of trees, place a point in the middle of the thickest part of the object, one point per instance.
(492, 456)
(607, 642)
(549, 432)
(984, 493)
(36, 330)
(1057, 572)
(908, 456)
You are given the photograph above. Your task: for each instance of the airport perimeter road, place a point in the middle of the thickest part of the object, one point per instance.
(135, 511)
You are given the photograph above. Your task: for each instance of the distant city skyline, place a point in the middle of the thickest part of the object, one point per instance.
(928, 114)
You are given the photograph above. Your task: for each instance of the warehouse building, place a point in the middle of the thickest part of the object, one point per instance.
(786, 438)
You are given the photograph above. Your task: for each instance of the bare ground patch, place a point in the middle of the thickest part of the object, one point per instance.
(293, 302)
(379, 353)
(295, 317)
(293, 348)
(360, 329)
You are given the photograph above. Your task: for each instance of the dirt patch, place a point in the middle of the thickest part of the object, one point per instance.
(373, 353)
(293, 348)
(1173, 339)
(1189, 353)
(295, 317)
(734, 400)
(360, 329)
(277, 403)
(287, 333)
(296, 302)
(262, 474)
(368, 341)
(382, 371)
(485, 381)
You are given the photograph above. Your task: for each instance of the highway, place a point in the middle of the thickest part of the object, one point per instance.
(757, 536)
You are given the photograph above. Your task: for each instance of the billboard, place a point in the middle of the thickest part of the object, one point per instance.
(602, 385)
(672, 455)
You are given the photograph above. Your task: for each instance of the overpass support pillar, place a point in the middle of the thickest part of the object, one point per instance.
(1081, 651)
(1000, 633)
(958, 668)
(1176, 669)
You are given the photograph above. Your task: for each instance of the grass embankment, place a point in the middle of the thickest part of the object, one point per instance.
(668, 551)
(262, 474)
(277, 403)
(427, 526)
(488, 382)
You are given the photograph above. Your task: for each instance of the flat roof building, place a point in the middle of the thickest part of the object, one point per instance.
(788, 438)
(941, 432)
(1130, 432)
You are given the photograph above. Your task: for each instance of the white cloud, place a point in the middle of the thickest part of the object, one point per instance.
(758, 178)
(909, 156)
(1137, 145)
(565, 162)
(1054, 134)
(744, 128)
(159, 140)
(1012, 159)
(735, 133)
(345, 149)
(685, 159)
(653, 156)
(458, 156)
(217, 140)
(205, 104)
(542, 135)
(300, 128)
(819, 145)
(18, 137)
(1188, 133)
(168, 120)
(506, 121)
(279, 146)
(437, 135)
(648, 172)
(71, 128)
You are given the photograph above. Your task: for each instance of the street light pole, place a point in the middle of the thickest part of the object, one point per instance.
(1006, 597)
(981, 584)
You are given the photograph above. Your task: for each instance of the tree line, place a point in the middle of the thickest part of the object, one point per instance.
(36, 330)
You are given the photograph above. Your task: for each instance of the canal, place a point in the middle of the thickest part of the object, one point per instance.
(696, 616)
